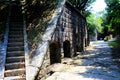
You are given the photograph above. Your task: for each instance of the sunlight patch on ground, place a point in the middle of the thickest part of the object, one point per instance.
(96, 64)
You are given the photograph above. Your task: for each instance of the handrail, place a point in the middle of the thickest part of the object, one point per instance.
(26, 50)
(6, 34)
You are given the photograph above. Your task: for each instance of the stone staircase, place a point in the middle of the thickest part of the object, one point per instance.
(15, 57)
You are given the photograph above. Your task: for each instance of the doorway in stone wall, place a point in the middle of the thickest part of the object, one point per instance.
(55, 54)
(66, 48)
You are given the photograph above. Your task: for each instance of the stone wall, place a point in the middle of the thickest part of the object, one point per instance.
(71, 27)
(66, 33)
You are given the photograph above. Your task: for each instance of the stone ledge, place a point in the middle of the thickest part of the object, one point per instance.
(31, 72)
(40, 53)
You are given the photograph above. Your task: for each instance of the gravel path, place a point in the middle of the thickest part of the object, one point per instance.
(95, 64)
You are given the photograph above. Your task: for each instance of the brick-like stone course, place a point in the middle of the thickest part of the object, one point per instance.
(72, 28)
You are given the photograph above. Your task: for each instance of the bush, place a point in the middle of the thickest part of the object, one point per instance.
(113, 44)
(106, 38)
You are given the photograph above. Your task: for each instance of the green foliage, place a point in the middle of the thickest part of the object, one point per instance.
(113, 15)
(108, 38)
(37, 8)
(113, 44)
(38, 15)
(81, 4)
(94, 24)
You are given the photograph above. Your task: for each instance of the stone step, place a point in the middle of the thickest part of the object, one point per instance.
(16, 19)
(21, 48)
(15, 44)
(15, 33)
(13, 36)
(15, 59)
(12, 16)
(16, 65)
(13, 23)
(15, 78)
(16, 24)
(14, 72)
(15, 56)
(16, 29)
(15, 53)
(15, 39)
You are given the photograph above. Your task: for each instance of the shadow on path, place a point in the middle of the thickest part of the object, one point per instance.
(95, 64)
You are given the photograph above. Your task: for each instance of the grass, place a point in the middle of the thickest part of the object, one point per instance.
(115, 51)
(113, 44)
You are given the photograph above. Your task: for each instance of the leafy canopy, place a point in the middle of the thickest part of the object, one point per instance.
(94, 24)
(113, 15)
(81, 4)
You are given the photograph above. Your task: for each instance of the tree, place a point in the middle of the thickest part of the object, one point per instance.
(94, 24)
(113, 15)
(81, 4)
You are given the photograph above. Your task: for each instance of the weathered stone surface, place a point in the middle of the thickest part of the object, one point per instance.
(70, 23)
(63, 27)
(31, 71)
(40, 53)
(52, 24)
(44, 70)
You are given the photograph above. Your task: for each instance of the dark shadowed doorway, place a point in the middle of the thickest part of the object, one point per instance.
(66, 48)
(55, 55)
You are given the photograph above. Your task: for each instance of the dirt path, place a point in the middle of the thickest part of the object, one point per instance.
(95, 64)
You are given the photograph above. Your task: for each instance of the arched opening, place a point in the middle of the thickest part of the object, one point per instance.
(66, 48)
(55, 55)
